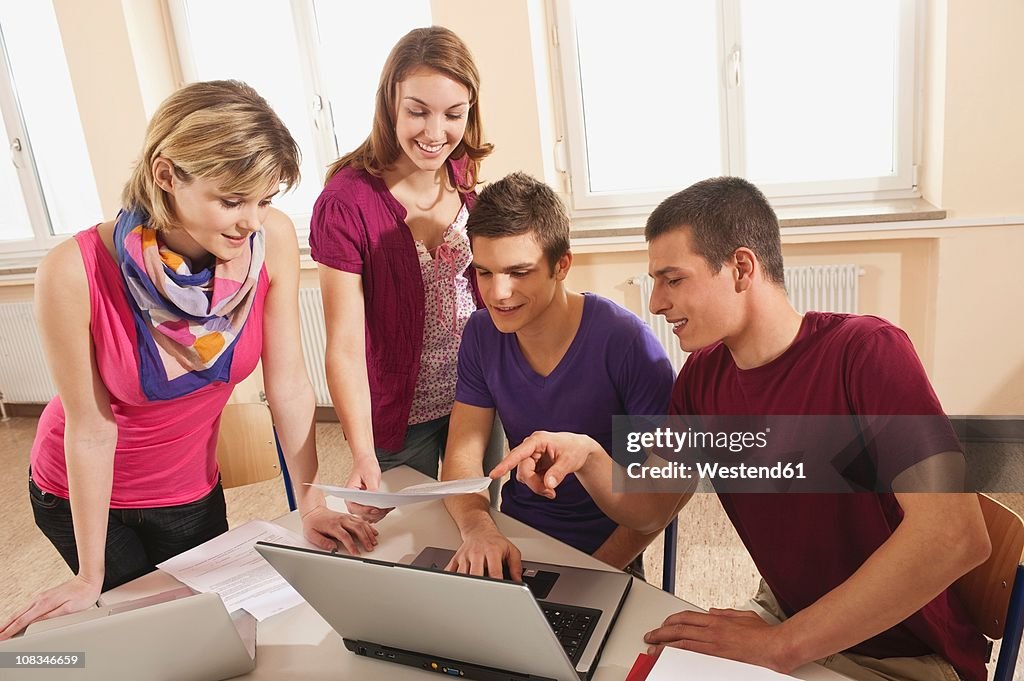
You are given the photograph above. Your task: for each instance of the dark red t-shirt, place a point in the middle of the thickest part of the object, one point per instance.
(805, 545)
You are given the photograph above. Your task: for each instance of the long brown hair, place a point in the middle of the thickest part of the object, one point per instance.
(435, 48)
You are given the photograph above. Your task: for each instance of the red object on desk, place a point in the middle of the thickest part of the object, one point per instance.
(641, 668)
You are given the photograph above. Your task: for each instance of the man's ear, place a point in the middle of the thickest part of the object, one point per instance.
(563, 265)
(746, 265)
(163, 174)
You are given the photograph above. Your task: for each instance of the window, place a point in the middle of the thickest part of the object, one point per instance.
(47, 188)
(811, 101)
(317, 62)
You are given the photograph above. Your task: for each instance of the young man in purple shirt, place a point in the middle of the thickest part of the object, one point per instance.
(545, 359)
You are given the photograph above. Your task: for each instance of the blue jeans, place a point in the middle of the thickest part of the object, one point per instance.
(137, 538)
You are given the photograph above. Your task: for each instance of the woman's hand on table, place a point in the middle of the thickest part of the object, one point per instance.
(329, 529)
(72, 596)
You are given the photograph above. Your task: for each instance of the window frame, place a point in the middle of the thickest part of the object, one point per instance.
(30, 250)
(303, 13)
(571, 155)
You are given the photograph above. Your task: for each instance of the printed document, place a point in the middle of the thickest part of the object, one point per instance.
(674, 664)
(229, 565)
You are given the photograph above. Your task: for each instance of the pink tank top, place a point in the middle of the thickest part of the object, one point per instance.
(166, 450)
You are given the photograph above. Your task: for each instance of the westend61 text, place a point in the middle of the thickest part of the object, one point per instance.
(715, 471)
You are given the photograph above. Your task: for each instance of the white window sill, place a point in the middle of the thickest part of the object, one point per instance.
(828, 222)
(627, 232)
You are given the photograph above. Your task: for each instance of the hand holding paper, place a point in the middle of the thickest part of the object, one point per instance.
(428, 491)
(365, 475)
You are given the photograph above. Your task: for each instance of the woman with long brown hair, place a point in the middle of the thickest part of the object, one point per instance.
(389, 234)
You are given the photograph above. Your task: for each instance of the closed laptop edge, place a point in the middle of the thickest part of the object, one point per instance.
(146, 643)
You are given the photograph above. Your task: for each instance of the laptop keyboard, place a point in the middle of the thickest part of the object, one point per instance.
(572, 626)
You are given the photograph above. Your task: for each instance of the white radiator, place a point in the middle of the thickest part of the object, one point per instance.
(822, 288)
(23, 373)
(314, 339)
(661, 328)
(25, 378)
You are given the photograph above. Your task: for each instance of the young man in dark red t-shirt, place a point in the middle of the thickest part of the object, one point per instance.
(859, 580)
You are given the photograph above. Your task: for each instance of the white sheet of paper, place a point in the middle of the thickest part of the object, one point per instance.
(674, 664)
(415, 494)
(229, 565)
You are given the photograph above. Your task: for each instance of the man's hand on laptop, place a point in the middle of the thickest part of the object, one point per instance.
(484, 552)
(544, 459)
(327, 529)
(72, 596)
(365, 475)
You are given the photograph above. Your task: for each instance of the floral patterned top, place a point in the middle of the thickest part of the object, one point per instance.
(449, 300)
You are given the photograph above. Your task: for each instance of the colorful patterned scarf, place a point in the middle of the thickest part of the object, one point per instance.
(186, 322)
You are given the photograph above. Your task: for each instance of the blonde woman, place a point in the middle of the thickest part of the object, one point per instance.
(147, 322)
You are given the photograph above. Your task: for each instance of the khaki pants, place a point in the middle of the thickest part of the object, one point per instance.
(862, 667)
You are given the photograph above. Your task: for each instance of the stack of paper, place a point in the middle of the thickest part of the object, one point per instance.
(229, 565)
(674, 664)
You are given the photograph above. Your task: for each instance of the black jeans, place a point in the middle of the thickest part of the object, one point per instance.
(137, 538)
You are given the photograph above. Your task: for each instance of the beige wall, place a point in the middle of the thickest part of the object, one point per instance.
(983, 139)
(508, 42)
(954, 290)
(151, 41)
(106, 84)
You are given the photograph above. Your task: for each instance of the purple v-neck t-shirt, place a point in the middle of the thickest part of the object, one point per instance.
(614, 366)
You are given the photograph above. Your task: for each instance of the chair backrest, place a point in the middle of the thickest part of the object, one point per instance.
(985, 590)
(246, 448)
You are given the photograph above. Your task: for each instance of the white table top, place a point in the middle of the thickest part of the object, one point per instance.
(299, 644)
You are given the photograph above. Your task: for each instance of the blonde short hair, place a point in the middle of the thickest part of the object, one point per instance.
(220, 130)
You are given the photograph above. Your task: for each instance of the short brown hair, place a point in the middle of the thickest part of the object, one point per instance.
(723, 213)
(220, 130)
(519, 204)
(439, 49)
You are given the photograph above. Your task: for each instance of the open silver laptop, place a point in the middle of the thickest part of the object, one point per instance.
(460, 625)
(175, 636)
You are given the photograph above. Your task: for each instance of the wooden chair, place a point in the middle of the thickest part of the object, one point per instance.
(247, 447)
(993, 592)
